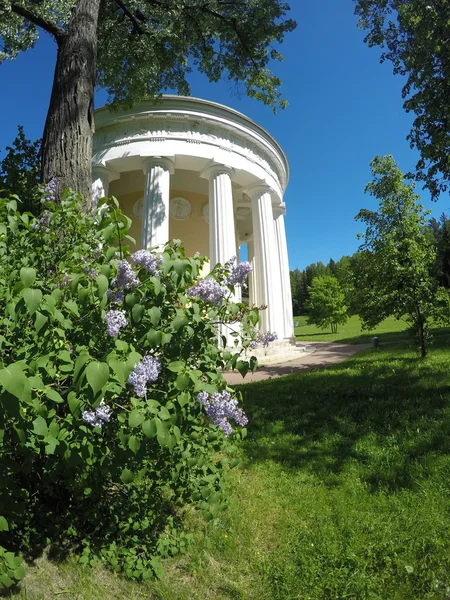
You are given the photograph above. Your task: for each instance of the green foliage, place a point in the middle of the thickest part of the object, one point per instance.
(19, 171)
(112, 491)
(148, 46)
(326, 304)
(343, 495)
(414, 37)
(395, 262)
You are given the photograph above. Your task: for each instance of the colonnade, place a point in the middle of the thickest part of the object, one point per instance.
(269, 282)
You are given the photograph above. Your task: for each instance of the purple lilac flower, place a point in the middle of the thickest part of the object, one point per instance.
(115, 319)
(148, 260)
(267, 338)
(115, 297)
(209, 290)
(220, 407)
(146, 371)
(239, 273)
(262, 338)
(50, 190)
(99, 416)
(42, 222)
(92, 273)
(126, 278)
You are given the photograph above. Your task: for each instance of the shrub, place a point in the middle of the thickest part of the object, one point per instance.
(103, 435)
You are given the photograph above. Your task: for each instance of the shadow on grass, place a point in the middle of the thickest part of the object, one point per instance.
(383, 414)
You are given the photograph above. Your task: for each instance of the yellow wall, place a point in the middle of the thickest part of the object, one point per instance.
(193, 232)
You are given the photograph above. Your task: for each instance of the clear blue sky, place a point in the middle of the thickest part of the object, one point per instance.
(344, 108)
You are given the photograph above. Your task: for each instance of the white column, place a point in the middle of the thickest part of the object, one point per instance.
(268, 281)
(222, 235)
(101, 178)
(155, 216)
(252, 287)
(286, 294)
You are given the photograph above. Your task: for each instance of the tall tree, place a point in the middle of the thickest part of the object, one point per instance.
(136, 49)
(393, 272)
(326, 303)
(415, 37)
(19, 170)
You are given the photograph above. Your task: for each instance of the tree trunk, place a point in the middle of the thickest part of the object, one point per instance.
(67, 140)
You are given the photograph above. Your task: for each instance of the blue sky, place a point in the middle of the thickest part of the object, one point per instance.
(344, 108)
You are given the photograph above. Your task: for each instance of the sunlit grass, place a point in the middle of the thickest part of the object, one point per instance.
(389, 330)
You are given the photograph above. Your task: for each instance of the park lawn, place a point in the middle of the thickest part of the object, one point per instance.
(389, 330)
(343, 492)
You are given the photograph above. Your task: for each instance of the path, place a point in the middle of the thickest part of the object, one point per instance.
(322, 355)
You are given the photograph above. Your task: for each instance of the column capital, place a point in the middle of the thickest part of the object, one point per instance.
(258, 190)
(158, 161)
(216, 169)
(279, 209)
(101, 172)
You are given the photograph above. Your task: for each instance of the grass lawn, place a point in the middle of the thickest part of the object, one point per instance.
(389, 330)
(343, 493)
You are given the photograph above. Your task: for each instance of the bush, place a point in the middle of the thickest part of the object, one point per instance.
(113, 410)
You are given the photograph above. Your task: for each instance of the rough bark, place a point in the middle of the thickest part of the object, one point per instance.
(67, 140)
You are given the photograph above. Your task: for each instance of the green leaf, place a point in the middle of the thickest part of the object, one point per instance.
(183, 398)
(14, 380)
(127, 476)
(154, 338)
(135, 418)
(74, 403)
(102, 285)
(79, 363)
(137, 313)
(242, 367)
(40, 426)
(176, 366)
(3, 524)
(149, 428)
(182, 382)
(19, 573)
(163, 413)
(134, 444)
(32, 298)
(97, 374)
(53, 395)
(155, 315)
(39, 321)
(27, 276)
(72, 306)
(179, 321)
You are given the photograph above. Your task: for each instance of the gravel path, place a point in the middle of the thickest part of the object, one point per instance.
(320, 354)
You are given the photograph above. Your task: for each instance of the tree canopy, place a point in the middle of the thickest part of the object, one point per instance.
(326, 304)
(137, 49)
(415, 37)
(396, 259)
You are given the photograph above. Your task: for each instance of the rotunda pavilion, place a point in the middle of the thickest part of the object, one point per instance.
(201, 172)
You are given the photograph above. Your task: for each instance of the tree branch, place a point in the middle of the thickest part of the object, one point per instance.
(51, 28)
(134, 21)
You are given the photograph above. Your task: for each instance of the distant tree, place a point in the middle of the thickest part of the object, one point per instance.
(439, 229)
(19, 170)
(326, 304)
(296, 277)
(395, 261)
(136, 49)
(415, 37)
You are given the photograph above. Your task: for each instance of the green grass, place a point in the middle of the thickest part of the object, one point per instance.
(343, 493)
(389, 330)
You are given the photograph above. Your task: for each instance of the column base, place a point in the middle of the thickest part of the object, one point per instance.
(279, 351)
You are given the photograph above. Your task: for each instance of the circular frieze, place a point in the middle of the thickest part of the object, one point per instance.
(205, 212)
(180, 209)
(138, 208)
